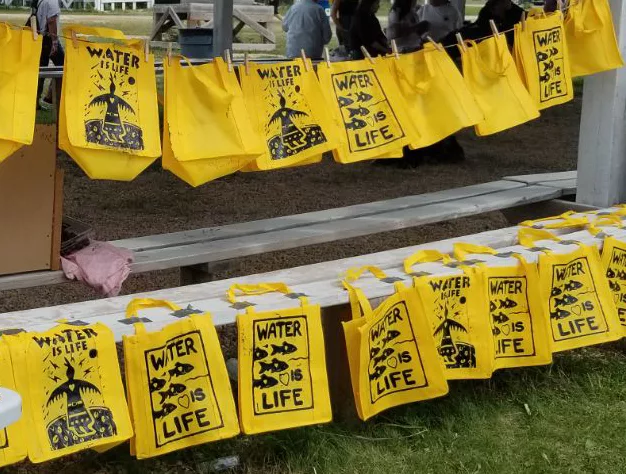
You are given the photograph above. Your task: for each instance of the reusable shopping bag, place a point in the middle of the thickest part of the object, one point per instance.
(287, 109)
(73, 398)
(455, 304)
(491, 76)
(12, 439)
(109, 119)
(205, 101)
(391, 352)
(434, 93)
(366, 108)
(282, 364)
(177, 383)
(575, 294)
(518, 323)
(19, 72)
(543, 59)
(590, 36)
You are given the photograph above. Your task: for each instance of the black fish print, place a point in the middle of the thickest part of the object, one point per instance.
(358, 111)
(614, 286)
(374, 351)
(378, 372)
(165, 410)
(559, 314)
(391, 335)
(565, 301)
(364, 97)
(259, 353)
(156, 384)
(496, 331)
(274, 366)
(500, 318)
(180, 369)
(610, 273)
(572, 285)
(285, 348)
(386, 353)
(507, 304)
(356, 124)
(264, 382)
(345, 101)
(492, 306)
(173, 390)
(542, 56)
(556, 291)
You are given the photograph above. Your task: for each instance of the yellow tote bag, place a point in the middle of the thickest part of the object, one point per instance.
(457, 310)
(435, 95)
(282, 365)
(392, 354)
(363, 99)
(73, 398)
(202, 101)
(178, 386)
(518, 322)
(614, 265)
(491, 76)
(108, 119)
(543, 59)
(19, 71)
(287, 109)
(590, 36)
(12, 439)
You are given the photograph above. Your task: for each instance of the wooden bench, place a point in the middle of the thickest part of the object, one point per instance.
(10, 407)
(197, 252)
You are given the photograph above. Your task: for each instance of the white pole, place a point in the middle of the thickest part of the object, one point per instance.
(602, 142)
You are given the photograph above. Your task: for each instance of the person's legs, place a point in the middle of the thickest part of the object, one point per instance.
(44, 59)
(58, 58)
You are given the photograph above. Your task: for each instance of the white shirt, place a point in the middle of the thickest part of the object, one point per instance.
(442, 20)
(47, 9)
(406, 43)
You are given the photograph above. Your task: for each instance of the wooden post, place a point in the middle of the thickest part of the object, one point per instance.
(223, 27)
(602, 142)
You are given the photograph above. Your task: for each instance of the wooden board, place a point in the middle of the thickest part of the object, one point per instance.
(27, 204)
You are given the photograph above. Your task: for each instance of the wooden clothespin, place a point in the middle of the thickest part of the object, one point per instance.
(394, 49)
(246, 64)
(169, 54)
(229, 60)
(559, 5)
(304, 58)
(524, 21)
(494, 28)
(327, 56)
(146, 50)
(461, 42)
(33, 26)
(367, 54)
(437, 45)
(74, 40)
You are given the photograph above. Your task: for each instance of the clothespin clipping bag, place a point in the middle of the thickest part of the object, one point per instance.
(282, 363)
(109, 120)
(12, 439)
(177, 383)
(70, 382)
(19, 72)
(391, 351)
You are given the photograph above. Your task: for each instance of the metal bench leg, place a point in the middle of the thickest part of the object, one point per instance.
(201, 273)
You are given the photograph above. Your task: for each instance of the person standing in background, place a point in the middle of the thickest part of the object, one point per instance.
(404, 26)
(443, 18)
(342, 12)
(308, 29)
(366, 31)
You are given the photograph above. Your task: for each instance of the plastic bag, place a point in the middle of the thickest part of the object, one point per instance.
(12, 439)
(282, 365)
(73, 398)
(108, 119)
(491, 76)
(19, 72)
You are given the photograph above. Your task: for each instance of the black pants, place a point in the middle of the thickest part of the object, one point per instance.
(343, 35)
(57, 59)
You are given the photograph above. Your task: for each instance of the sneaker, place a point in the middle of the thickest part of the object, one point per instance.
(45, 105)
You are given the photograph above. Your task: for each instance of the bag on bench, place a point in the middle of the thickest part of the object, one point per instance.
(12, 439)
(73, 398)
(392, 354)
(177, 384)
(282, 363)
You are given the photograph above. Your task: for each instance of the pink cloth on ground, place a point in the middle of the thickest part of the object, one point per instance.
(101, 265)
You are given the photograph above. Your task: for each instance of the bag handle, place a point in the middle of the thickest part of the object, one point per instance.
(421, 86)
(577, 15)
(144, 303)
(217, 95)
(357, 300)
(610, 220)
(6, 35)
(568, 221)
(353, 274)
(527, 236)
(425, 256)
(99, 31)
(461, 249)
(502, 65)
(255, 289)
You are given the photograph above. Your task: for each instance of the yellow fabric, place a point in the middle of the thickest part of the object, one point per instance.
(577, 298)
(392, 355)
(287, 109)
(200, 102)
(435, 95)
(12, 440)
(590, 36)
(528, 236)
(425, 256)
(614, 266)
(72, 394)
(543, 59)
(563, 221)
(491, 76)
(178, 387)
(366, 108)
(282, 368)
(19, 69)
(108, 119)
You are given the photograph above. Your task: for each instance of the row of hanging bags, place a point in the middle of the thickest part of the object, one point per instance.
(491, 76)
(366, 109)
(574, 291)
(177, 385)
(590, 36)
(12, 439)
(205, 101)
(434, 93)
(391, 351)
(282, 362)
(454, 303)
(518, 322)
(19, 73)
(288, 110)
(71, 387)
(109, 119)
(542, 58)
